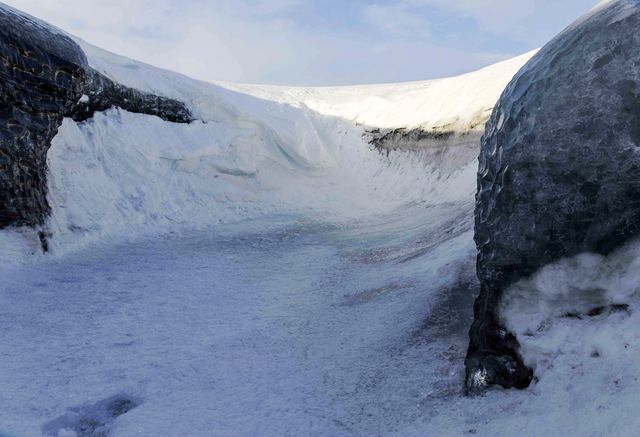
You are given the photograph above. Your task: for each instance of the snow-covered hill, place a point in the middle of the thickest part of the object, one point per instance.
(459, 104)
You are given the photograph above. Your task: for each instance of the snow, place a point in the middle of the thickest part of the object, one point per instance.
(459, 104)
(204, 173)
(269, 327)
(577, 307)
(264, 271)
(260, 270)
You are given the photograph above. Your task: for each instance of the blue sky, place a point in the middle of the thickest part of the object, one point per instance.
(313, 42)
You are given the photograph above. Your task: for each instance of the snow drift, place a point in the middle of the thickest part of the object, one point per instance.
(254, 150)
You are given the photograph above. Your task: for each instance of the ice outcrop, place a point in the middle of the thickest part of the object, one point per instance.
(41, 77)
(558, 172)
(44, 76)
(102, 93)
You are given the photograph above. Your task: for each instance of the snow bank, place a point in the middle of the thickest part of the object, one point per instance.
(279, 151)
(577, 309)
(123, 173)
(459, 104)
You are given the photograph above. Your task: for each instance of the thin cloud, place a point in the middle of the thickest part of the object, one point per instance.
(396, 20)
(312, 42)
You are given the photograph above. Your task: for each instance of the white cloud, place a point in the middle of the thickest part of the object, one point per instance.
(396, 20)
(208, 40)
(302, 41)
(519, 19)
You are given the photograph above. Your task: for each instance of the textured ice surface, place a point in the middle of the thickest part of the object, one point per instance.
(41, 75)
(558, 167)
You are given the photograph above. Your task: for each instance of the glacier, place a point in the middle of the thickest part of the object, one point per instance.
(267, 270)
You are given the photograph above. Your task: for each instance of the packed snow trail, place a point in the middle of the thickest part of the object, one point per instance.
(287, 326)
(277, 327)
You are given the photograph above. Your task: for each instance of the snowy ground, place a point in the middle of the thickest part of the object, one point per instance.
(287, 326)
(262, 271)
(277, 327)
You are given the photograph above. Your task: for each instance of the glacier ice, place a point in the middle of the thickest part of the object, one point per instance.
(558, 169)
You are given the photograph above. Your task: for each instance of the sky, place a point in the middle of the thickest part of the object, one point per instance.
(313, 42)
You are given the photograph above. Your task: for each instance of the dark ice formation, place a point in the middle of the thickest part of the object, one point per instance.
(559, 172)
(446, 150)
(44, 76)
(101, 93)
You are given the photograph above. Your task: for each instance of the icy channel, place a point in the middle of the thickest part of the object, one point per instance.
(283, 326)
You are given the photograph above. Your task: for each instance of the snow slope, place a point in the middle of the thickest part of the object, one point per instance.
(279, 150)
(458, 104)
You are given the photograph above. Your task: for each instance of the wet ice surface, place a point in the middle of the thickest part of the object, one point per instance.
(273, 327)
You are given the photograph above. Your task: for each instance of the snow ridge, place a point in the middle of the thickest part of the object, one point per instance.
(254, 151)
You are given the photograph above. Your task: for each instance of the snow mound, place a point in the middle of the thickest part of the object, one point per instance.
(582, 307)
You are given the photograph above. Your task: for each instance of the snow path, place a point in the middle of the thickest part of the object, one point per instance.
(286, 326)
(282, 327)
